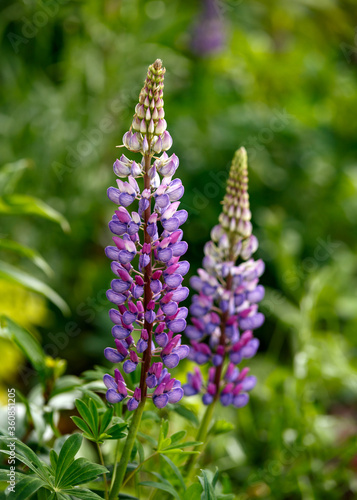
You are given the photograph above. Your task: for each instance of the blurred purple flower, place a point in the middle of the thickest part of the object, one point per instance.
(225, 310)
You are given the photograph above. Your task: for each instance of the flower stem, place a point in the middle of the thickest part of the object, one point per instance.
(104, 475)
(201, 437)
(125, 457)
(132, 474)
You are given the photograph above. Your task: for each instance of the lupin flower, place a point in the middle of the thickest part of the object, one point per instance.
(147, 288)
(209, 31)
(225, 311)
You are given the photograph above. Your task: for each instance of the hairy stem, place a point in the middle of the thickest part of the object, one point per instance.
(125, 457)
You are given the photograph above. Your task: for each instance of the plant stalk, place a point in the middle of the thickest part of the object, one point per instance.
(201, 437)
(125, 457)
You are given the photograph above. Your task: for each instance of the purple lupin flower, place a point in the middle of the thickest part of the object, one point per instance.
(147, 288)
(224, 312)
(209, 31)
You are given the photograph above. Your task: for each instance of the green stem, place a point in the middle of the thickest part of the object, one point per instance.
(125, 457)
(201, 437)
(106, 492)
(138, 467)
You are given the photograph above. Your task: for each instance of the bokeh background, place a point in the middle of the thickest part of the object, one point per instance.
(279, 78)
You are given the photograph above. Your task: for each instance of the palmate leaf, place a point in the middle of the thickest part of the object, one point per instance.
(80, 472)
(28, 457)
(26, 488)
(66, 455)
(25, 341)
(15, 275)
(21, 204)
(82, 494)
(27, 252)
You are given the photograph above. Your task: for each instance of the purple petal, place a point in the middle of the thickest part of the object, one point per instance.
(182, 351)
(175, 395)
(171, 360)
(141, 346)
(226, 399)
(179, 248)
(151, 381)
(132, 404)
(183, 268)
(193, 333)
(250, 349)
(173, 280)
(241, 400)
(180, 294)
(177, 325)
(129, 366)
(207, 399)
(117, 227)
(165, 255)
(112, 253)
(170, 224)
(170, 308)
(113, 195)
(113, 397)
(120, 286)
(120, 333)
(160, 401)
(115, 316)
(249, 383)
(161, 339)
(182, 216)
(124, 256)
(113, 355)
(110, 382)
(126, 199)
(115, 298)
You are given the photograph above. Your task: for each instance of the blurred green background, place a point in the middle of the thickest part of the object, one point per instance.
(279, 78)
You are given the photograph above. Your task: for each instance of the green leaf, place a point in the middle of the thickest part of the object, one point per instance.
(81, 471)
(186, 413)
(21, 204)
(28, 457)
(82, 494)
(208, 491)
(27, 252)
(183, 445)
(10, 173)
(94, 412)
(175, 470)
(26, 488)
(11, 273)
(85, 414)
(193, 492)
(106, 419)
(81, 424)
(160, 486)
(126, 496)
(25, 341)
(66, 455)
(53, 460)
(178, 436)
(221, 427)
(116, 431)
(4, 475)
